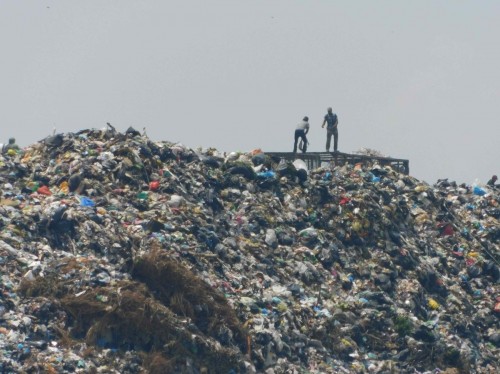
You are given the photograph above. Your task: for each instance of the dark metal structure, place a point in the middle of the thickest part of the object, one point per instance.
(315, 159)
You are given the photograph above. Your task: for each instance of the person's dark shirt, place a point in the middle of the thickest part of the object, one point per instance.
(331, 120)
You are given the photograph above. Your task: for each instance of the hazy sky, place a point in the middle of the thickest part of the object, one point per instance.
(411, 79)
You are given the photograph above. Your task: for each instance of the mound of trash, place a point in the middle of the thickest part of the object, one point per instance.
(119, 254)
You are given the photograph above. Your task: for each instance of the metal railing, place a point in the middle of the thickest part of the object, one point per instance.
(314, 160)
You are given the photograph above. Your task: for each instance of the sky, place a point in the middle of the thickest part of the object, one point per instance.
(418, 80)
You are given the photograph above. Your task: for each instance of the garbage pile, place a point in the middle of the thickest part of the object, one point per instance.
(123, 255)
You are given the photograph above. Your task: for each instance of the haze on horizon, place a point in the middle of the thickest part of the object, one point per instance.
(416, 80)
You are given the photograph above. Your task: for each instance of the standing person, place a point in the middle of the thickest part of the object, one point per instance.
(331, 129)
(300, 132)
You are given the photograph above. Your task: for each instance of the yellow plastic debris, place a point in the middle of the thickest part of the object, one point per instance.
(420, 188)
(64, 187)
(433, 304)
(282, 307)
(356, 226)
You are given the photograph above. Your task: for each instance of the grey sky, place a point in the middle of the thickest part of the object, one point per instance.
(411, 79)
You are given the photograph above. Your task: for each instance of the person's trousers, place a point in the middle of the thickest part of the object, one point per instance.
(300, 134)
(329, 134)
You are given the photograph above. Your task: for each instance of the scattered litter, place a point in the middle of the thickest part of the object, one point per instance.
(123, 255)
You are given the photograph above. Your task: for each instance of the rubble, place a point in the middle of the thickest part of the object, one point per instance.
(119, 254)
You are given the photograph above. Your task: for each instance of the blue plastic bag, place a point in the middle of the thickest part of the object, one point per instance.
(85, 201)
(267, 174)
(479, 191)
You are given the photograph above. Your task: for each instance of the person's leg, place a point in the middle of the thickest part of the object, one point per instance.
(297, 136)
(335, 139)
(304, 141)
(328, 139)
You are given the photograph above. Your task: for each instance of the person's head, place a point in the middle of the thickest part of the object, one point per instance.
(329, 109)
(12, 140)
(494, 178)
(305, 119)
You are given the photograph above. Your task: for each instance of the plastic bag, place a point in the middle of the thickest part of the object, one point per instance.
(154, 185)
(479, 191)
(85, 201)
(269, 174)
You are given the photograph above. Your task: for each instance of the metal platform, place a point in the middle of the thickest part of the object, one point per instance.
(315, 159)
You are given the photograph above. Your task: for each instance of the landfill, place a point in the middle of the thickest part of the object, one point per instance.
(119, 254)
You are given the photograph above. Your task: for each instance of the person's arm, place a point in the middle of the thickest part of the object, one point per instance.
(336, 123)
(323, 125)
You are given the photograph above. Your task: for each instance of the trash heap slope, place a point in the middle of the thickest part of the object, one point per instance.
(123, 255)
